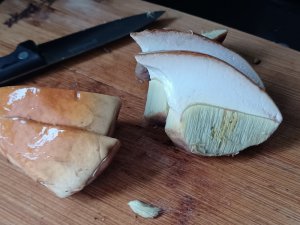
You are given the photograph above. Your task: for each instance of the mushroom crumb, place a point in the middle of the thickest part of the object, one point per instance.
(144, 210)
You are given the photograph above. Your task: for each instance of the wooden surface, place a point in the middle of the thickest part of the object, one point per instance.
(259, 186)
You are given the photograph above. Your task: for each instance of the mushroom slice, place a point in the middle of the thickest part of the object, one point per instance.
(63, 159)
(214, 109)
(85, 110)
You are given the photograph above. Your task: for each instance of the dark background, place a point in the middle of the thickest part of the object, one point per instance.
(275, 20)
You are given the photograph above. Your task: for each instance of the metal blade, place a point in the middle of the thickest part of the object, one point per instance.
(82, 41)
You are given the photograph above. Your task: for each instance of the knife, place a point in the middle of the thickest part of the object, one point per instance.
(29, 57)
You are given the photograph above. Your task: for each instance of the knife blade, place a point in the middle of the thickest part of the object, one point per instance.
(29, 57)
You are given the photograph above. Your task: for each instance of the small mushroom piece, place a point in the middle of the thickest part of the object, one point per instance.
(217, 35)
(144, 210)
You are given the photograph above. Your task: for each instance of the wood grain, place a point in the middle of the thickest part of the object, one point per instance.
(259, 186)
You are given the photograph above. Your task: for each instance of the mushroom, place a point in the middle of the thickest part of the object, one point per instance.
(169, 40)
(217, 35)
(165, 40)
(58, 137)
(214, 109)
(63, 159)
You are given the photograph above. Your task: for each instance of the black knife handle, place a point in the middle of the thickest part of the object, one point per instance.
(22, 61)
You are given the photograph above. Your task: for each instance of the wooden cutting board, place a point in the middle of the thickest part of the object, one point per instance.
(259, 186)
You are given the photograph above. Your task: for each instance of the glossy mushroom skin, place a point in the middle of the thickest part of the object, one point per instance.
(90, 111)
(58, 137)
(63, 159)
